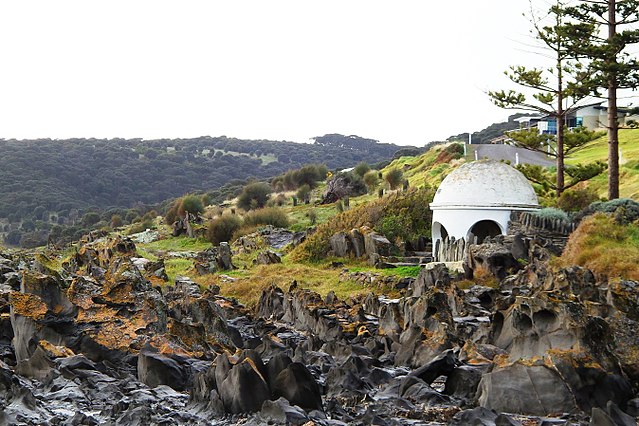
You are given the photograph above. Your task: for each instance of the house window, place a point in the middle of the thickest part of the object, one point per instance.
(552, 127)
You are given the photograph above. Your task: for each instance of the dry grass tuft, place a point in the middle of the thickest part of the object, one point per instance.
(607, 248)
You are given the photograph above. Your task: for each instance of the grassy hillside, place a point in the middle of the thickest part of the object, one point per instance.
(629, 168)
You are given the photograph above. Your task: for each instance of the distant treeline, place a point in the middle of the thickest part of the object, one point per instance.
(491, 132)
(47, 182)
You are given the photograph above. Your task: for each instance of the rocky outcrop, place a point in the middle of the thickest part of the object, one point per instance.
(267, 258)
(101, 342)
(214, 259)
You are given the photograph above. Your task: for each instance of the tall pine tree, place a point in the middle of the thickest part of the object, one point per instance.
(614, 27)
(556, 91)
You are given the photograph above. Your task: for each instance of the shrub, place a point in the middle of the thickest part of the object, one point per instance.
(90, 219)
(456, 149)
(267, 216)
(190, 203)
(254, 196)
(312, 217)
(410, 207)
(371, 180)
(361, 169)
(304, 193)
(222, 228)
(577, 199)
(394, 178)
(278, 200)
(552, 213)
(625, 209)
(116, 221)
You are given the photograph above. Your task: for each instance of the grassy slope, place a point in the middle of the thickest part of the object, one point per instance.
(604, 247)
(629, 169)
(249, 280)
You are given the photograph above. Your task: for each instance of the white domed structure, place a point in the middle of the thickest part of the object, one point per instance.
(478, 198)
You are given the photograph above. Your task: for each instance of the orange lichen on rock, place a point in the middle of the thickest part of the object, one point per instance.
(28, 305)
(97, 314)
(192, 335)
(54, 351)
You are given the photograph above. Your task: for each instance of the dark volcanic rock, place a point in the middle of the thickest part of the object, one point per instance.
(155, 369)
(298, 386)
(244, 389)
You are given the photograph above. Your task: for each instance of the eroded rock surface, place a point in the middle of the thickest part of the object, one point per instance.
(99, 342)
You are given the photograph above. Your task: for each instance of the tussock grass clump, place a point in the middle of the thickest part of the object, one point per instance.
(267, 216)
(606, 247)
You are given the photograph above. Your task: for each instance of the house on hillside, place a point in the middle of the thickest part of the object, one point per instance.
(592, 116)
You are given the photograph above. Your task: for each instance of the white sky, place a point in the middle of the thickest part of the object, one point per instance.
(401, 71)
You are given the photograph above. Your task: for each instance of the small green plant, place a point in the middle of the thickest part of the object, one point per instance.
(394, 178)
(312, 217)
(304, 193)
(552, 213)
(361, 169)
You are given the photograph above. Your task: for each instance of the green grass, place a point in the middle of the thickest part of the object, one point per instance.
(628, 170)
(178, 244)
(175, 267)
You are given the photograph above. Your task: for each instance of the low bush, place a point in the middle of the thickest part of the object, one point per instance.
(267, 216)
(254, 196)
(222, 228)
(624, 209)
(552, 213)
(576, 199)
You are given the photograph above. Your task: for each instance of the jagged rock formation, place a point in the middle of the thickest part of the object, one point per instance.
(98, 342)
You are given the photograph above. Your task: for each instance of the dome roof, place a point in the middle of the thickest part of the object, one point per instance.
(485, 183)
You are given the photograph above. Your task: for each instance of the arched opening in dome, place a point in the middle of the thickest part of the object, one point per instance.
(485, 228)
(439, 232)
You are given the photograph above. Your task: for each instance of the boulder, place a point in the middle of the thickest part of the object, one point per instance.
(155, 369)
(298, 386)
(340, 244)
(525, 389)
(494, 259)
(443, 365)
(271, 303)
(357, 243)
(244, 389)
(267, 258)
(280, 411)
(375, 243)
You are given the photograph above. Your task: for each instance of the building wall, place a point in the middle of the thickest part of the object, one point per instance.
(458, 222)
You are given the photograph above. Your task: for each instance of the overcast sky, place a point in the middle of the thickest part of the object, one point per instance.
(405, 72)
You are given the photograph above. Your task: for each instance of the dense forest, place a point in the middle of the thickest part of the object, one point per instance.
(47, 182)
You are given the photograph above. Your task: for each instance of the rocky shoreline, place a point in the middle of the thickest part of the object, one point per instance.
(103, 340)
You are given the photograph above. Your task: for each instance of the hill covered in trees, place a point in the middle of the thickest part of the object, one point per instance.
(493, 131)
(46, 182)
